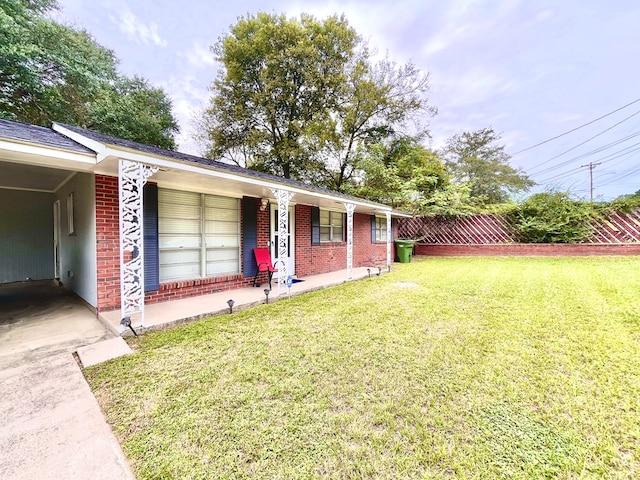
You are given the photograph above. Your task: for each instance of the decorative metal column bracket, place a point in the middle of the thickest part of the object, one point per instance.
(131, 179)
(283, 197)
(389, 240)
(350, 207)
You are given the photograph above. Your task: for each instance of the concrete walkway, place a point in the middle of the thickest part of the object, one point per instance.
(166, 314)
(51, 426)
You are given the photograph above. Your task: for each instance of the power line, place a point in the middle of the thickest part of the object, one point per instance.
(577, 128)
(624, 175)
(606, 159)
(589, 139)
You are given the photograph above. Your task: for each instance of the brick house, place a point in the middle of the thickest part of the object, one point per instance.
(106, 215)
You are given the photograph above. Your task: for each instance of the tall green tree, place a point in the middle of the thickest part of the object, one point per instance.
(133, 105)
(478, 158)
(53, 72)
(301, 98)
(402, 174)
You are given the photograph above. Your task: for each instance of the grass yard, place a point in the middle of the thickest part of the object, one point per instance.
(444, 368)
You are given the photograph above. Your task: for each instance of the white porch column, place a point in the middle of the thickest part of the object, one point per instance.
(283, 197)
(389, 240)
(350, 209)
(131, 179)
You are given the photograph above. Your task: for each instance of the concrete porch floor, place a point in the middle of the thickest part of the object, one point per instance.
(173, 312)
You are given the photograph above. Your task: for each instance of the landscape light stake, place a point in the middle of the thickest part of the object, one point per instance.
(266, 294)
(230, 303)
(369, 272)
(379, 270)
(126, 322)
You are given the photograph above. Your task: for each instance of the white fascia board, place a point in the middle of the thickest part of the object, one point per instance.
(47, 152)
(212, 172)
(97, 147)
(401, 215)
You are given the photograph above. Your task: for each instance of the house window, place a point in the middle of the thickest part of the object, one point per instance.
(198, 235)
(71, 214)
(381, 229)
(331, 226)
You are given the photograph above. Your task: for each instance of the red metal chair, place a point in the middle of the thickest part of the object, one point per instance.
(263, 260)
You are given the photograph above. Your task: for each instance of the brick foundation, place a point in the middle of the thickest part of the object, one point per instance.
(521, 249)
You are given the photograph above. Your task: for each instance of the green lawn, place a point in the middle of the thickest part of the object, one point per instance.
(444, 368)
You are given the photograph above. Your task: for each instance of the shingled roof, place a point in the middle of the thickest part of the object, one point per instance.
(183, 157)
(33, 134)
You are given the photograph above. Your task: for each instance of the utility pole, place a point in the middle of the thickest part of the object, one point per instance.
(591, 166)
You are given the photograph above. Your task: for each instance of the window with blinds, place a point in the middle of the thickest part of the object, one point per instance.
(199, 235)
(381, 229)
(331, 226)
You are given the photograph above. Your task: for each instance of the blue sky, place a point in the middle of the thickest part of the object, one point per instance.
(531, 69)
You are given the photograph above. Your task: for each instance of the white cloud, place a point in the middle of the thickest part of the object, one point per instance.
(199, 55)
(136, 30)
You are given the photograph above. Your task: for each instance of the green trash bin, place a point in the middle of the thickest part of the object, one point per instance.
(405, 249)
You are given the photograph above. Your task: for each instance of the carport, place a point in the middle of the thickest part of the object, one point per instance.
(38, 318)
(47, 238)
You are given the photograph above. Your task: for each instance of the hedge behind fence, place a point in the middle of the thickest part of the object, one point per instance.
(606, 228)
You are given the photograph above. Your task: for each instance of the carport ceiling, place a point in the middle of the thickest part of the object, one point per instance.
(31, 177)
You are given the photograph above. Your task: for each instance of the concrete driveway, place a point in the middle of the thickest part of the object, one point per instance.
(51, 426)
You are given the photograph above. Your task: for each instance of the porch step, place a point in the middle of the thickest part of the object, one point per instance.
(103, 351)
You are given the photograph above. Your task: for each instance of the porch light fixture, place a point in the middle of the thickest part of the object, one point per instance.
(230, 302)
(126, 322)
(264, 203)
(266, 294)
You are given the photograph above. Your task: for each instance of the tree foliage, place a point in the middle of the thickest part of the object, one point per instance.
(402, 174)
(53, 72)
(132, 105)
(300, 98)
(477, 158)
(553, 217)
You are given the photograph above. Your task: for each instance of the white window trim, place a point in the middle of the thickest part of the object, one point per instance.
(381, 227)
(203, 241)
(332, 214)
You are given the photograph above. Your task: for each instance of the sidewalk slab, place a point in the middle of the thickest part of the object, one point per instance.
(103, 351)
(53, 427)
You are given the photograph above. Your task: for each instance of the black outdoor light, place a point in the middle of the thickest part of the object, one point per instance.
(379, 271)
(126, 322)
(266, 294)
(230, 302)
(369, 272)
(389, 268)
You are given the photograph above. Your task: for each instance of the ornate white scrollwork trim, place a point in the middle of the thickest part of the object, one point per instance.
(131, 179)
(350, 207)
(389, 240)
(283, 197)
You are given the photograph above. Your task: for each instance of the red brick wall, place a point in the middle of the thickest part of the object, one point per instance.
(331, 256)
(522, 249)
(310, 260)
(107, 243)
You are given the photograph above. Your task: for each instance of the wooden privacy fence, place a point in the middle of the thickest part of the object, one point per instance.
(616, 228)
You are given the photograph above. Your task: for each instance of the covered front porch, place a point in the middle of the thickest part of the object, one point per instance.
(167, 314)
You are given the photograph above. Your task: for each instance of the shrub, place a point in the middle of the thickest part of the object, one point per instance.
(553, 218)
